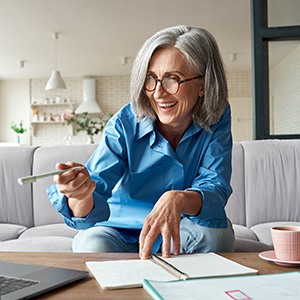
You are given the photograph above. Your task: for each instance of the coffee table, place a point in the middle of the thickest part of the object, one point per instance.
(89, 288)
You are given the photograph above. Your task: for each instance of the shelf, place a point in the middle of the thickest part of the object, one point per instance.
(46, 111)
(51, 104)
(47, 122)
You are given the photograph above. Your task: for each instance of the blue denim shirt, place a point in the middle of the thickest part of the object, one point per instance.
(134, 165)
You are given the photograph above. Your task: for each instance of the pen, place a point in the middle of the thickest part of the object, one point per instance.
(168, 267)
(30, 179)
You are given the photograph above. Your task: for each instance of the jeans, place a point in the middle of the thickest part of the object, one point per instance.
(193, 239)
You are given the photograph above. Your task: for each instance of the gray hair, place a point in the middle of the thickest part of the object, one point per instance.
(202, 52)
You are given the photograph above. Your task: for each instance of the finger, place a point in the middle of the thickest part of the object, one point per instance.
(166, 237)
(79, 186)
(142, 237)
(63, 166)
(83, 189)
(176, 244)
(69, 175)
(147, 244)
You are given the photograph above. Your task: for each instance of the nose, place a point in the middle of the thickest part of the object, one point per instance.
(159, 91)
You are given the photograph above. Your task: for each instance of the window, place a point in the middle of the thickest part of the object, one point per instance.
(276, 68)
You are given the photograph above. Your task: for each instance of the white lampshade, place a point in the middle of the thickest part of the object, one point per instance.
(89, 104)
(55, 82)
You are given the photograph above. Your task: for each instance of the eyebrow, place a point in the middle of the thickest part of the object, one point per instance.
(167, 73)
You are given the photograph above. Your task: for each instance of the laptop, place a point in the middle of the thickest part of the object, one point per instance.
(32, 280)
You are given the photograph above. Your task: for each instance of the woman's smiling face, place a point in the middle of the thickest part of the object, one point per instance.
(174, 110)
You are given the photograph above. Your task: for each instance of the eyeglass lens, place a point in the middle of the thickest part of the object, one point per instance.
(169, 85)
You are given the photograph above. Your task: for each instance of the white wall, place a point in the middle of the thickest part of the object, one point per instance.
(240, 99)
(285, 95)
(14, 106)
(241, 118)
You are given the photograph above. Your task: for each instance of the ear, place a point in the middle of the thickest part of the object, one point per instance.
(201, 88)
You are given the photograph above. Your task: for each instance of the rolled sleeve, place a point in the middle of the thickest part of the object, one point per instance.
(213, 180)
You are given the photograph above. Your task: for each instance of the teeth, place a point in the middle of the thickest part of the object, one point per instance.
(166, 104)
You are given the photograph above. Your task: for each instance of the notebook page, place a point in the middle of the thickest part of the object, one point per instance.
(208, 265)
(126, 273)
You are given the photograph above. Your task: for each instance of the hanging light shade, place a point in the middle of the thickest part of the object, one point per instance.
(55, 81)
(89, 104)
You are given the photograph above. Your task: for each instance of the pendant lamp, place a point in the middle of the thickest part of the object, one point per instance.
(55, 81)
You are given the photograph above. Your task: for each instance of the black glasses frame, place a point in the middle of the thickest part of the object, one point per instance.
(178, 81)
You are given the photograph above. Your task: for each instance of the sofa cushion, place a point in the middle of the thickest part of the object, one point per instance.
(38, 244)
(263, 231)
(244, 245)
(60, 229)
(10, 231)
(16, 200)
(272, 172)
(243, 232)
(45, 159)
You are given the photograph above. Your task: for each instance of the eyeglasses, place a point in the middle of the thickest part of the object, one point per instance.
(169, 84)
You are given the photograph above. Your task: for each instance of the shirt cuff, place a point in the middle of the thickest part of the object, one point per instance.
(99, 213)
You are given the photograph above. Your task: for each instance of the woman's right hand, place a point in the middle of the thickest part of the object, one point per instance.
(77, 186)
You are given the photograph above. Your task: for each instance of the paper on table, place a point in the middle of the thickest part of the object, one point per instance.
(260, 287)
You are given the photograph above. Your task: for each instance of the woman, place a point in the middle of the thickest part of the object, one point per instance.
(160, 178)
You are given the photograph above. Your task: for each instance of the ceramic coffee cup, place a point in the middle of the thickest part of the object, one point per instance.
(286, 241)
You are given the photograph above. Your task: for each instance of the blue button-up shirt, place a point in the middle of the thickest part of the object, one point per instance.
(134, 165)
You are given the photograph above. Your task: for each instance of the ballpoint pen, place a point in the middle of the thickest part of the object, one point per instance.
(33, 178)
(168, 267)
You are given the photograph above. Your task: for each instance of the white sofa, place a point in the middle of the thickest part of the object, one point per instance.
(265, 181)
(266, 191)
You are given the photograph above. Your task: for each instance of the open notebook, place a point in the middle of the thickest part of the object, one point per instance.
(131, 273)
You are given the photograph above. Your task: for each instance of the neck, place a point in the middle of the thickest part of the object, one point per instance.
(172, 134)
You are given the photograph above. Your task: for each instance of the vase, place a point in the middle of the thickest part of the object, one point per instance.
(90, 140)
(18, 140)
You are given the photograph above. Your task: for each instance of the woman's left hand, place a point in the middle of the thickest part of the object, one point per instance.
(164, 219)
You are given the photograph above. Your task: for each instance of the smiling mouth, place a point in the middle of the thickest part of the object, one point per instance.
(166, 105)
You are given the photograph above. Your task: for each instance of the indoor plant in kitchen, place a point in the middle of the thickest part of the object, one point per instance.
(18, 129)
(84, 122)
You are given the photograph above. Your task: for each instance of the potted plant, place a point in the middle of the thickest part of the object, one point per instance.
(84, 122)
(18, 129)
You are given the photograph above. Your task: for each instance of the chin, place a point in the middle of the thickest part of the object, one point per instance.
(166, 121)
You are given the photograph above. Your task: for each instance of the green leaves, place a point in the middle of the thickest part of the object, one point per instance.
(84, 122)
(19, 129)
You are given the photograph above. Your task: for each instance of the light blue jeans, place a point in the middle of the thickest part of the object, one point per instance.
(193, 239)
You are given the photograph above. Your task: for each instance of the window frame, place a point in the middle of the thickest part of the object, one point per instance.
(261, 35)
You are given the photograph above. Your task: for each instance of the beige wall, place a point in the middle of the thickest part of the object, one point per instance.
(14, 106)
(112, 92)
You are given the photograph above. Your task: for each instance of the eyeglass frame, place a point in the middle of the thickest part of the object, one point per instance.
(179, 82)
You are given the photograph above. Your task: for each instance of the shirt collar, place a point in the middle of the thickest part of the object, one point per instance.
(146, 126)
